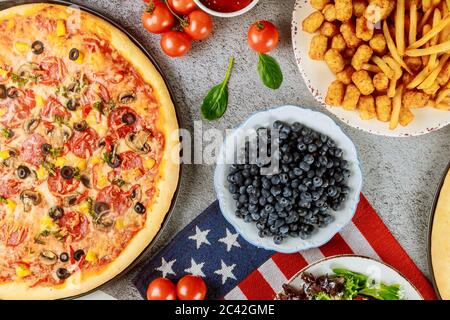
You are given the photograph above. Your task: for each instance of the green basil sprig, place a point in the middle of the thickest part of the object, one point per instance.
(270, 71)
(216, 101)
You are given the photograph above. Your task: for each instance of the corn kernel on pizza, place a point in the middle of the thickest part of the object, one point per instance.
(389, 57)
(87, 126)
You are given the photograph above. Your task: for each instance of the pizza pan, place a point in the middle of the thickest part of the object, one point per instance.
(430, 229)
(11, 3)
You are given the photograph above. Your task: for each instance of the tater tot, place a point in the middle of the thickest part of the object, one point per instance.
(348, 31)
(363, 81)
(415, 99)
(318, 47)
(362, 55)
(319, 4)
(366, 107)
(344, 10)
(334, 60)
(384, 108)
(414, 63)
(335, 94)
(345, 76)
(364, 29)
(444, 75)
(378, 10)
(313, 22)
(378, 44)
(329, 29)
(338, 43)
(329, 12)
(351, 97)
(381, 82)
(359, 7)
(406, 116)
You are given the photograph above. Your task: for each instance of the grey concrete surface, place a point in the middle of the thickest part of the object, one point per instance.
(400, 175)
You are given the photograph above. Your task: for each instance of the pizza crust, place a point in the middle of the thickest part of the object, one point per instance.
(440, 241)
(168, 177)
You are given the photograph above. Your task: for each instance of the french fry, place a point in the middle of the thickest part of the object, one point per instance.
(371, 68)
(442, 95)
(412, 23)
(425, 18)
(433, 32)
(396, 107)
(421, 76)
(426, 59)
(400, 27)
(426, 4)
(384, 67)
(397, 75)
(436, 49)
(436, 19)
(392, 47)
(430, 80)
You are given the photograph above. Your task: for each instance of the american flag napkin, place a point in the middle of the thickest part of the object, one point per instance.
(236, 270)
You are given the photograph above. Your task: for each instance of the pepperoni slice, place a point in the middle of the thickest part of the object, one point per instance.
(115, 197)
(58, 185)
(53, 71)
(131, 160)
(54, 108)
(84, 142)
(9, 187)
(16, 237)
(18, 109)
(75, 223)
(120, 128)
(31, 150)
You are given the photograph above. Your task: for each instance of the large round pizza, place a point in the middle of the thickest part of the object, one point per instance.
(88, 151)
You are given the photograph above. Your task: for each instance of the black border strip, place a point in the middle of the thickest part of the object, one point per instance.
(12, 3)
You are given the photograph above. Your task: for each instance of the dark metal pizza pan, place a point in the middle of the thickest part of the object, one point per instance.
(11, 3)
(430, 230)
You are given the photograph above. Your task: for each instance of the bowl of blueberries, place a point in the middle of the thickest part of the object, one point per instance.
(288, 179)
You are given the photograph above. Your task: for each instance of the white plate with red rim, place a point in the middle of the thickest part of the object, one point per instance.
(318, 77)
(316, 121)
(379, 271)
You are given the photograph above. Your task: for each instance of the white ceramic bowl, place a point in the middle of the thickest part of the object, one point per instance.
(226, 14)
(318, 78)
(379, 271)
(314, 120)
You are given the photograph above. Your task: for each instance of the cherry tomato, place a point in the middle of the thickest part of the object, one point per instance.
(200, 25)
(161, 289)
(191, 288)
(263, 36)
(157, 18)
(183, 6)
(175, 43)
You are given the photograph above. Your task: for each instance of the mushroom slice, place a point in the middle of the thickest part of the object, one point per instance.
(59, 135)
(104, 221)
(12, 160)
(136, 195)
(137, 141)
(31, 124)
(29, 199)
(70, 200)
(127, 97)
(28, 69)
(48, 257)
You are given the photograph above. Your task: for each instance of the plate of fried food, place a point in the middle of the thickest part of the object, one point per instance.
(382, 66)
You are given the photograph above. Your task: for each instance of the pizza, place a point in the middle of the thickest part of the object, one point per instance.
(89, 151)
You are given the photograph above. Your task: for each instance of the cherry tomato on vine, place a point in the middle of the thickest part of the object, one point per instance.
(175, 43)
(191, 288)
(182, 6)
(199, 26)
(161, 289)
(263, 36)
(157, 18)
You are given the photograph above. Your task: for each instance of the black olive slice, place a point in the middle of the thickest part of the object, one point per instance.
(74, 54)
(37, 47)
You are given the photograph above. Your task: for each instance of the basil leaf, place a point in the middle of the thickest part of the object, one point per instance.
(270, 71)
(216, 101)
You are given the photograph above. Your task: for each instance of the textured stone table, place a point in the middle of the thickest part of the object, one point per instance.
(400, 175)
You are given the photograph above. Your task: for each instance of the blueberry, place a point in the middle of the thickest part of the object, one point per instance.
(306, 196)
(284, 202)
(302, 147)
(269, 208)
(308, 159)
(284, 178)
(278, 240)
(270, 199)
(275, 190)
(310, 174)
(248, 218)
(238, 178)
(298, 172)
(304, 166)
(312, 148)
(317, 181)
(284, 229)
(262, 201)
(232, 188)
(279, 223)
(275, 180)
(306, 131)
(287, 192)
(295, 183)
(302, 187)
(308, 139)
(243, 199)
(338, 152)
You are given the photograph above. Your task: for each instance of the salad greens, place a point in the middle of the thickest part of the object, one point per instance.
(357, 284)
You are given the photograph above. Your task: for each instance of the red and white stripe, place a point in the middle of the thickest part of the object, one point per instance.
(366, 235)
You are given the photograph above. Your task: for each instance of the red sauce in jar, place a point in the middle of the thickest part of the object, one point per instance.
(226, 6)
